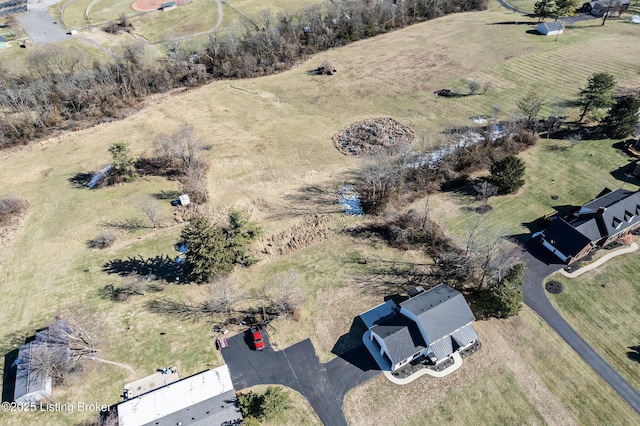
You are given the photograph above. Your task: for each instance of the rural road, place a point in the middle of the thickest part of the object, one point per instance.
(539, 264)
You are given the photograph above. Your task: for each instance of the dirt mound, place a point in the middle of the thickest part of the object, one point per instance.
(374, 136)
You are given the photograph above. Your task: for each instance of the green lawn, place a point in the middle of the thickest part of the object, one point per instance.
(496, 391)
(198, 16)
(575, 174)
(602, 306)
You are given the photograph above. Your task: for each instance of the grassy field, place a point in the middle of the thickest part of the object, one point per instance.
(199, 16)
(601, 306)
(575, 174)
(271, 155)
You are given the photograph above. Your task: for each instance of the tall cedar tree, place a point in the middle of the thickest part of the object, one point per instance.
(530, 105)
(124, 165)
(566, 7)
(544, 9)
(207, 253)
(507, 174)
(622, 118)
(597, 94)
(506, 295)
(240, 232)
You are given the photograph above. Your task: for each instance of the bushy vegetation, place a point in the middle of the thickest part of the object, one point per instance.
(63, 90)
(622, 118)
(102, 240)
(507, 174)
(389, 177)
(504, 298)
(124, 165)
(263, 407)
(12, 208)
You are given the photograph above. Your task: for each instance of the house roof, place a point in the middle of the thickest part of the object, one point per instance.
(219, 410)
(440, 311)
(617, 210)
(177, 400)
(401, 337)
(31, 387)
(588, 227)
(565, 238)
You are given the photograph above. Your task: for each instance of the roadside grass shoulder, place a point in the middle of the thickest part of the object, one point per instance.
(601, 306)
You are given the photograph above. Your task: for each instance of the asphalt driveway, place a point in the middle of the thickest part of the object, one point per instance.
(298, 367)
(540, 264)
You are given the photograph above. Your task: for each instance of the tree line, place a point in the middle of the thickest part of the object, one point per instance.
(62, 90)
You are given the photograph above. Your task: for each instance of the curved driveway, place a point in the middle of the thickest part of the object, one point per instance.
(539, 266)
(324, 385)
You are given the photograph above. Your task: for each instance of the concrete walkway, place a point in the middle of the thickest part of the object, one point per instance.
(386, 367)
(457, 363)
(617, 252)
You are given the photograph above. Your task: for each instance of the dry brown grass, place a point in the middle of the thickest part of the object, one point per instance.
(271, 155)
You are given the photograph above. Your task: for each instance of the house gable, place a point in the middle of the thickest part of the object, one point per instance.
(438, 312)
(399, 337)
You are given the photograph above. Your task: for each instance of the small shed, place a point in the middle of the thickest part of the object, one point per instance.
(184, 200)
(550, 28)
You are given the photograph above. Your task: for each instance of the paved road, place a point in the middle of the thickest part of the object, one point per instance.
(566, 20)
(40, 27)
(298, 367)
(540, 263)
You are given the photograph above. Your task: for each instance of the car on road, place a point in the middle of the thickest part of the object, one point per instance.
(258, 342)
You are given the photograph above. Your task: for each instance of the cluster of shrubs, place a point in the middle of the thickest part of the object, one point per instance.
(63, 90)
(11, 208)
(387, 178)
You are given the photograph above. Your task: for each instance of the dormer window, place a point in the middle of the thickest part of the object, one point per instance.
(628, 216)
(616, 223)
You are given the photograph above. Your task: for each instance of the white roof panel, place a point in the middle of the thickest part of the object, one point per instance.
(174, 397)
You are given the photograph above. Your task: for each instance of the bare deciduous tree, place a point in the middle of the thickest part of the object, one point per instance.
(150, 209)
(223, 293)
(180, 148)
(284, 295)
(473, 86)
(484, 190)
(63, 344)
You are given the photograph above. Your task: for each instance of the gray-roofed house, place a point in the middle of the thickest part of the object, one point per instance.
(33, 384)
(599, 8)
(204, 399)
(434, 324)
(607, 218)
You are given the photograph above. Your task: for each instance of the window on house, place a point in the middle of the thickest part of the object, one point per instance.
(628, 216)
(616, 223)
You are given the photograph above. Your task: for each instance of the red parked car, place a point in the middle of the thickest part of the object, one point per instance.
(258, 343)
